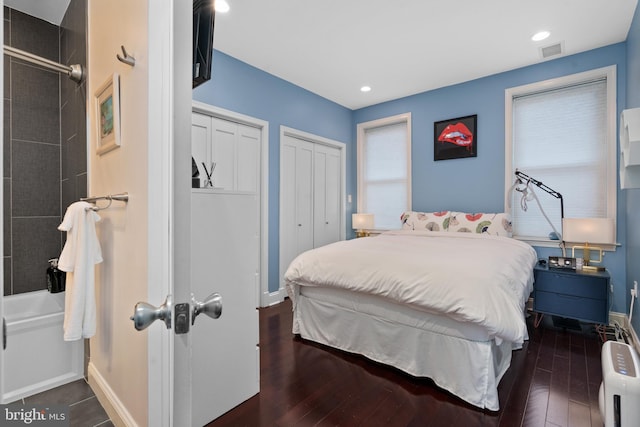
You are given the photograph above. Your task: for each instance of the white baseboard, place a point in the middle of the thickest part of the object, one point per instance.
(623, 320)
(619, 318)
(273, 298)
(117, 412)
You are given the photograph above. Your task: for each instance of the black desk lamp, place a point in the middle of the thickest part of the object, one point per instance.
(523, 178)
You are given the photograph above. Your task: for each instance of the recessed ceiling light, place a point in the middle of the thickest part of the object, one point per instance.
(540, 36)
(221, 6)
(365, 89)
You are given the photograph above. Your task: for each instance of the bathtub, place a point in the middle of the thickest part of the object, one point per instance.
(37, 358)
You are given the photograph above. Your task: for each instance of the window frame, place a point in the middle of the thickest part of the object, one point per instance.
(361, 134)
(608, 73)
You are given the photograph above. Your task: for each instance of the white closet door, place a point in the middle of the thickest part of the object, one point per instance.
(224, 136)
(327, 195)
(288, 227)
(296, 202)
(304, 195)
(248, 158)
(201, 142)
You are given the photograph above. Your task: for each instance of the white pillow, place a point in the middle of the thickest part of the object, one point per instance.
(495, 224)
(431, 221)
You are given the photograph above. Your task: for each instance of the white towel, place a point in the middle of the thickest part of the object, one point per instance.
(80, 254)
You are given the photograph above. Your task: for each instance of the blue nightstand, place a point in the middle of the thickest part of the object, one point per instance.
(578, 295)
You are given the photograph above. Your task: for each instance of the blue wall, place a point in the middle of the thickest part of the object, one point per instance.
(633, 195)
(472, 184)
(244, 89)
(477, 184)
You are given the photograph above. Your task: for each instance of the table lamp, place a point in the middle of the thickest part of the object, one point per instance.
(589, 232)
(361, 222)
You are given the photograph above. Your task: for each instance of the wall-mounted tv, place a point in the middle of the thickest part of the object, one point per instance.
(203, 23)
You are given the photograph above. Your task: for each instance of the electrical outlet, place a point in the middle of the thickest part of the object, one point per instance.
(634, 291)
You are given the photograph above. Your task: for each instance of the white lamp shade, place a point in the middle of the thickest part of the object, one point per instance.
(362, 221)
(588, 230)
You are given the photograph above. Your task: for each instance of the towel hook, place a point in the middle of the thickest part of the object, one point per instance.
(128, 59)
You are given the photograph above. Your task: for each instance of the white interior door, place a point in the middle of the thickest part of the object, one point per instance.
(304, 195)
(296, 199)
(327, 199)
(312, 193)
(225, 259)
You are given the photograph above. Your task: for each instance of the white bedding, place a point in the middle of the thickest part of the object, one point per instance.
(475, 278)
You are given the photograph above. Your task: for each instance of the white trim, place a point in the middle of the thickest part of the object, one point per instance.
(272, 298)
(609, 73)
(548, 243)
(299, 134)
(165, 32)
(361, 129)
(623, 320)
(114, 408)
(2, 367)
(263, 126)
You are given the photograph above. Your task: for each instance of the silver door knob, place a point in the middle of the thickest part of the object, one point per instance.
(144, 314)
(211, 306)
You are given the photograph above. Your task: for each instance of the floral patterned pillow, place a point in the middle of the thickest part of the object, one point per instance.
(495, 224)
(431, 221)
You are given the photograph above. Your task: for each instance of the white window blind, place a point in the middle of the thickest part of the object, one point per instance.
(560, 138)
(384, 171)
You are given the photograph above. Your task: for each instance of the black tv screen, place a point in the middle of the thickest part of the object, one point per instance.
(203, 23)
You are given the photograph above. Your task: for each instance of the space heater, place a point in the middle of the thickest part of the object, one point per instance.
(619, 395)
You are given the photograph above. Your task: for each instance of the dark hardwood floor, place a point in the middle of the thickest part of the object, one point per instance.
(552, 381)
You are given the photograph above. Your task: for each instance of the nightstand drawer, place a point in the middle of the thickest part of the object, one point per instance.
(575, 307)
(580, 285)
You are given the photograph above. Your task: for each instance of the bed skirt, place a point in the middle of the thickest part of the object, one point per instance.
(468, 368)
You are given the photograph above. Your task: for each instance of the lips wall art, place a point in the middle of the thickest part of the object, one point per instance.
(455, 138)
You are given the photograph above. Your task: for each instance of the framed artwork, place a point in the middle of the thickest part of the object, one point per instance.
(455, 138)
(107, 101)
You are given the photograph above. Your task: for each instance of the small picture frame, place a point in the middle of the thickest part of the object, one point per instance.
(455, 138)
(107, 104)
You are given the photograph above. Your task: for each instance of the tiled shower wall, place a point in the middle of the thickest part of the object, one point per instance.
(44, 143)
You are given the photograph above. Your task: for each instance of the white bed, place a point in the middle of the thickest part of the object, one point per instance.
(443, 305)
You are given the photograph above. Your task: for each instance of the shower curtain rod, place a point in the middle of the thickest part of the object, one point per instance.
(75, 71)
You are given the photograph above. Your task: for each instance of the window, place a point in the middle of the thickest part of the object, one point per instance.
(562, 133)
(384, 169)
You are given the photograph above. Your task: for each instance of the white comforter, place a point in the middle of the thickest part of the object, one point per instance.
(469, 277)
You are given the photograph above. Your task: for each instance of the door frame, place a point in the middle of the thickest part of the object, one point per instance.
(169, 184)
(2, 220)
(263, 126)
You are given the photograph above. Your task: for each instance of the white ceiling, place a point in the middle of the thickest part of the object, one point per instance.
(47, 10)
(403, 47)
